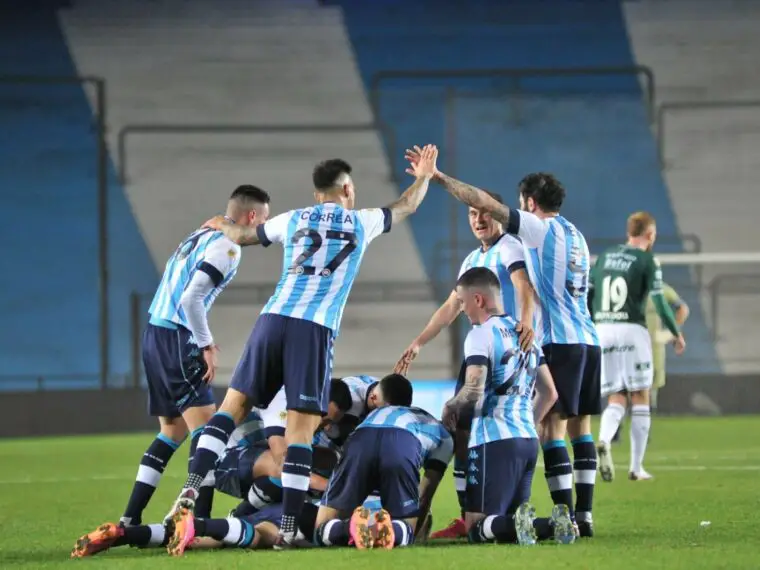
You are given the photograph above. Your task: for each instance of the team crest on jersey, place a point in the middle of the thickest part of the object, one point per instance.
(283, 415)
(232, 253)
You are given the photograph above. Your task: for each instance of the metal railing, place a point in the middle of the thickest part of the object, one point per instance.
(236, 129)
(101, 168)
(670, 107)
(729, 284)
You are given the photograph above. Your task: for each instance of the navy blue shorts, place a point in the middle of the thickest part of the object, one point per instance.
(233, 474)
(174, 368)
(499, 475)
(283, 351)
(577, 373)
(386, 460)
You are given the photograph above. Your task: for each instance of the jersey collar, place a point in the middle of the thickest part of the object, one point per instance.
(497, 240)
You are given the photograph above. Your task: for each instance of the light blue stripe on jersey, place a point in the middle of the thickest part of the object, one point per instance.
(287, 258)
(548, 269)
(179, 272)
(333, 248)
(493, 260)
(335, 312)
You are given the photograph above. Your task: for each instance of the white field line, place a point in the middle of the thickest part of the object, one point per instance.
(124, 477)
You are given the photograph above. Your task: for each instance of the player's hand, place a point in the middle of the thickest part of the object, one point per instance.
(210, 354)
(450, 417)
(402, 366)
(422, 161)
(526, 336)
(215, 223)
(679, 344)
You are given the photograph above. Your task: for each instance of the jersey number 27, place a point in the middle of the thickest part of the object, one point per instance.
(317, 241)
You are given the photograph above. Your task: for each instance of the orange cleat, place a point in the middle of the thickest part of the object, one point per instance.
(100, 539)
(385, 537)
(184, 532)
(360, 530)
(456, 529)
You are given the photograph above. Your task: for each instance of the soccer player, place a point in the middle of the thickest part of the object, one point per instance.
(504, 255)
(178, 349)
(257, 531)
(291, 342)
(386, 452)
(558, 266)
(500, 379)
(622, 279)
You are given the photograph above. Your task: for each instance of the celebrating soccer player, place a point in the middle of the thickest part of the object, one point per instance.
(292, 341)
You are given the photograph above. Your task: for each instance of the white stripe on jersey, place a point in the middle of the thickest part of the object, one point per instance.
(358, 386)
(204, 250)
(559, 265)
(505, 410)
(323, 249)
(507, 254)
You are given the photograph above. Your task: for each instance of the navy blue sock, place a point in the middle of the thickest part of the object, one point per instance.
(332, 533)
(205, 501)
(296, 471)
(231, 531)
(559, 473)
(211, 444)
(584, 472)
(460, 483)
(152, 466)
(264, 491)
(144, 535)
(494, 528)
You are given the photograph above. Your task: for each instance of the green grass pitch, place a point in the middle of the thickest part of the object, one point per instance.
(52, 490)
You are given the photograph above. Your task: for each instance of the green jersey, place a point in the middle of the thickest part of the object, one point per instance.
(622, 279)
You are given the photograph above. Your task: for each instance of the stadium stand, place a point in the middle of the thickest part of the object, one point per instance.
(274, 63)
(704, 51)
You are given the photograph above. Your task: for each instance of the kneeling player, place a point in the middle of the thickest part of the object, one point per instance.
(503, 447)
(386, 453)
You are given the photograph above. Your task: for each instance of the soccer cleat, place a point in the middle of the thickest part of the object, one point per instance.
(186, 500)
(526, 532)
(100, 539)
(640, 476)
(456, 529)
(184, 532)
(606, 467)
(359, 529)
(385, 537)
(562, 522)
(585, 528)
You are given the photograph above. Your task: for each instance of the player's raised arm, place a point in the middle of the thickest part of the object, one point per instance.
(442, 318)
(423, 170)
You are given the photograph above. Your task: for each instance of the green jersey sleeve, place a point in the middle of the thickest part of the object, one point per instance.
(654, 280)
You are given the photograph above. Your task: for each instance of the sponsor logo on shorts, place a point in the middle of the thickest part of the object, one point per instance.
(643, 366)
(306, 398)
(620, 348)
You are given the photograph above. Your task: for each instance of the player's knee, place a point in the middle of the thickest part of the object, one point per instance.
(578, 426)
(640, 398)
(198, 416)
(555, 427)
(175, 431)
(236, 405)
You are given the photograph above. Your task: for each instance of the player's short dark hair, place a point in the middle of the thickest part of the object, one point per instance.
(545, 189)
(480, 277)
(397, 390)
(249, 193)
(340, 394)
(327, 172)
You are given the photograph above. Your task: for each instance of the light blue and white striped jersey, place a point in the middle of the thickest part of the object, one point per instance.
(204, 250)
(359, 387)
(505, 410)
(559, 265)
(436, 442)
(323, 249)
(506, 255)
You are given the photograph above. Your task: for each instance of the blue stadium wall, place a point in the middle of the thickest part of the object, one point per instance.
(591, 131)
(48, 180)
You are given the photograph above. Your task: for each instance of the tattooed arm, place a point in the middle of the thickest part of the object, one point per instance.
(473, 197)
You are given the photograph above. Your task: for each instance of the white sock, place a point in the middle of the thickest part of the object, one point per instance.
(640, 422)
(157, 534)
(611, 418)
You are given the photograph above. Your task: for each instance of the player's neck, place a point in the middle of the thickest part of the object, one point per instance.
(485, 245)
(544, 215)
(637, 244)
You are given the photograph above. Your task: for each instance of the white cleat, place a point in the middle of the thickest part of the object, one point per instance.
(640, 476)
(565, 530)
(606, 467)
(186, 500)
(524, 517)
